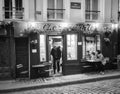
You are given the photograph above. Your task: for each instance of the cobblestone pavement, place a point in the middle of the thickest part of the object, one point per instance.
(99, 87)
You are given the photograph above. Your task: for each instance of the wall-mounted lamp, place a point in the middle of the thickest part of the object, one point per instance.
(31, 25)
(64, 25)
(95, 25)
(114, 26)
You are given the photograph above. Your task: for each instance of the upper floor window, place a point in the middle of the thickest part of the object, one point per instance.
(92, 11)
(55, 10)
(13, 9)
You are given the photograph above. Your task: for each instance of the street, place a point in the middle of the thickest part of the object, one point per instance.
(99, 87)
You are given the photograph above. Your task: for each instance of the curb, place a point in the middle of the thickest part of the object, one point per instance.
(59, 84)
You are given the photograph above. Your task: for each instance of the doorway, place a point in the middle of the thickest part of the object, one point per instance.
(55, 41)
(21, 48)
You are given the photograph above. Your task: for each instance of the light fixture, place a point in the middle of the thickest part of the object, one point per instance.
(31, 24)
(95, 25)
(114, 26)
(64, 25)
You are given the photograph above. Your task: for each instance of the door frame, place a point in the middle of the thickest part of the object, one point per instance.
(63, 47)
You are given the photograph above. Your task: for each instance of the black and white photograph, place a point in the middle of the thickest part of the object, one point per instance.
(59, 47)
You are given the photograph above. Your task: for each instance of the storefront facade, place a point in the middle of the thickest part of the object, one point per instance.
(75, 41)
(30, 44)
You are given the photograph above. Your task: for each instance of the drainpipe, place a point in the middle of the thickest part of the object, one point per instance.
(118, 45)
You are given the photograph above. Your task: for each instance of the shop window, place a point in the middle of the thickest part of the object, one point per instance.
(92, 11)
(42, 40)
(90, 45)
(55, 10)
(71, 47)
(13, 9)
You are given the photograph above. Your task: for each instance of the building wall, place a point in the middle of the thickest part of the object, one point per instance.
(77, 15)
(108, 10)
(44, 11)
(31, 10)
(115, 10)
(111, 11)
(26, 9)
(101, 8)
(39, 10)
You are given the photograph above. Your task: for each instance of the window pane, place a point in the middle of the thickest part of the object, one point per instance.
(94, 4)
(42, 47)
(95, 8)
(90, 45)
(19, 9)
(8, 8)
(51, 12)
(55, 9)
(51, 4)
(18, 4)
(72, 47)
(59, 4)
(87, 3)
(92, 9)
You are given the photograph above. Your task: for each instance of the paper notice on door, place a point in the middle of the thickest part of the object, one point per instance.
(34, 50)
(79, 43)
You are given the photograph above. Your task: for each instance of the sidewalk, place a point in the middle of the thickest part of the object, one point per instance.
(18, 85)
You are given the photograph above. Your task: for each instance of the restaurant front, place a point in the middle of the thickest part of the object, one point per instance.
(34, 41)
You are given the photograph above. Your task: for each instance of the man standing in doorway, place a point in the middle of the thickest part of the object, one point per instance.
(56, 54)
(58, 58)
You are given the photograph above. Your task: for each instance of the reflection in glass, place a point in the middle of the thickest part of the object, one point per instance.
(71, 47)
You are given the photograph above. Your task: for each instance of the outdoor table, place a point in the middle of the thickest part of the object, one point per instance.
(38, 66)
(93, 63)
(39, 70)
